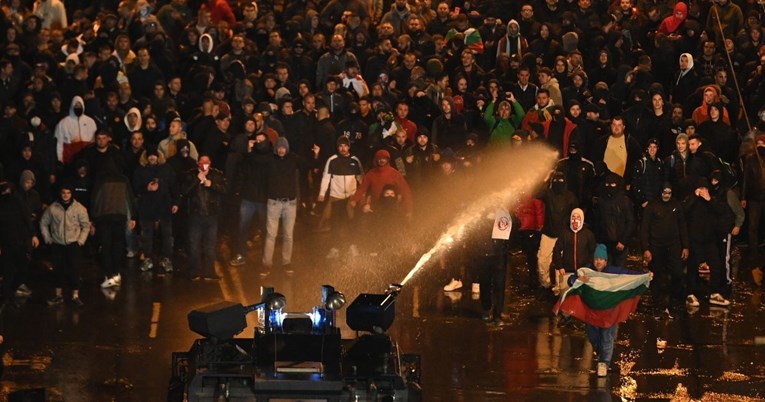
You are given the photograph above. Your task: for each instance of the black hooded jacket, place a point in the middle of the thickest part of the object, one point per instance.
(616, 213)
(251, 176)
(663, 225)
(558, 206)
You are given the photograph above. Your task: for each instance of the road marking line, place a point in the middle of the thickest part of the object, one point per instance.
(153, 328)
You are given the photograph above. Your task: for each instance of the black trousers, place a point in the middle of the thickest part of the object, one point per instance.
(13, 261)
(667, 268)
(67, 260)
(705, 251)
(111, 238)
(529, 242)
(494, 278)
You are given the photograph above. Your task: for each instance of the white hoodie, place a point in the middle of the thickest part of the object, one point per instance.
(138, 124)
(74, 133)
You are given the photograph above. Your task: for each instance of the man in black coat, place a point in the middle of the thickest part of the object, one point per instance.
(155, 187)
(250, 184)
(204, 188)
(700, 212)
(574, 248)
(664, 238)
(16, 240)
(112, 207)
(616, 219)
(559, 203)
(281, 207)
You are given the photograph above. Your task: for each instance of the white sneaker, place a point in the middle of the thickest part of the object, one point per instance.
(475, 288)
(602, 369)
(718, 300)
(333, 253)
(453, 285)
(118, 278)
(110, 282)
(353, 250)
(692, 301)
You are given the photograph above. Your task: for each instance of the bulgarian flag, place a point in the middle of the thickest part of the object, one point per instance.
(605, 299)
(472, 39)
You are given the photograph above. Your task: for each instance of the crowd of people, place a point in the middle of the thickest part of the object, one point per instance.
(138, 122)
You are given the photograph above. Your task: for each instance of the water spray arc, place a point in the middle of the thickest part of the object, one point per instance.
(535, 161)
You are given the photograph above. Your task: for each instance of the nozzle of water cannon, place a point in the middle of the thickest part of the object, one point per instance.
(393, 289)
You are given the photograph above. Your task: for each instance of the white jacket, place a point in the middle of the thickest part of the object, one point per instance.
(74, 133)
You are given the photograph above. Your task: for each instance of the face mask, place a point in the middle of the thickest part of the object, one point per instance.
(558, 185)
(401, 8)
(557, 117)
(610, 190)
(78, 111)
(761, 151)
(576, 223)
(666, 196)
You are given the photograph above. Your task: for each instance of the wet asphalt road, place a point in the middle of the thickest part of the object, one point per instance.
(118, 346)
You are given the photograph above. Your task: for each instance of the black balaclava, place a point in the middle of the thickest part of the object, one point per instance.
(558, 182)
(611, 186)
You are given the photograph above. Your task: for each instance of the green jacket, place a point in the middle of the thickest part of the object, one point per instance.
(502, 130)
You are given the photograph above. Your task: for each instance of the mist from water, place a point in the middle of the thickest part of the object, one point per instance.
(502, 179)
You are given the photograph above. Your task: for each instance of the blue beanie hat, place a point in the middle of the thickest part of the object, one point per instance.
(601, 252)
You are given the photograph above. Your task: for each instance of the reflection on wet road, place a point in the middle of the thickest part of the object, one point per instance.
(118, 347)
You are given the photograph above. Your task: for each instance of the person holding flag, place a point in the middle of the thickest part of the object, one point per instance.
(603, 297)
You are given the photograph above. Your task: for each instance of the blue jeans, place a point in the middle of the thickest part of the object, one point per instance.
(147, 237)
(276, 210)
(131, 240)
(602, 340)
(248, 211)
(203, 236)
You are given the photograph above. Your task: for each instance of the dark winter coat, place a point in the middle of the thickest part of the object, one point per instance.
(700, 215)
(616, 218)
(579, 174)
(558, 207)
(15, 224)
(702, 163)
(250, 179)
(663, 225)
(112, 199)
(574, 250)
(202, 200)
(283, 176)
(155, 205)
(449, 133)
(634, 152)
(647, 180)
(721, 138)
